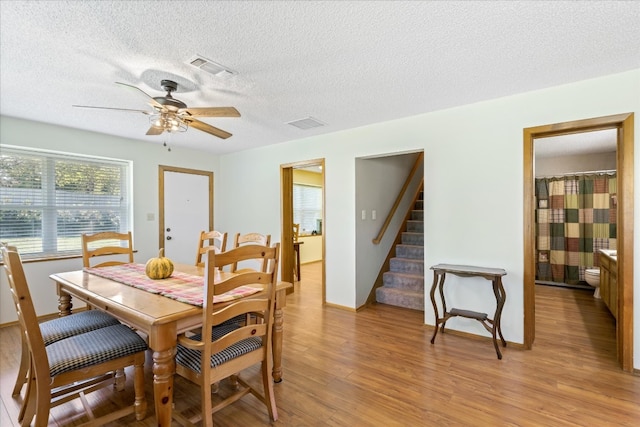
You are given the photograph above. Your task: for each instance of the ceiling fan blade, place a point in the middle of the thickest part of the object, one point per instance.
(154, 131)
(148, 97)
(117, 109)
(211, 112)
(207, 128)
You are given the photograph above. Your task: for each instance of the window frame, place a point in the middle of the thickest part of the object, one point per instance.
(50, 204)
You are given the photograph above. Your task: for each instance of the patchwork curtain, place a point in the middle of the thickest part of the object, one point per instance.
(575, 217)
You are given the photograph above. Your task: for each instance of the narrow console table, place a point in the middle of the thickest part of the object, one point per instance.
(492, 274)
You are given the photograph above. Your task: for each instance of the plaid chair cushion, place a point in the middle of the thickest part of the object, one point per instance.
(92, 348)
(68, 326)
(240, 319)
(191, 358)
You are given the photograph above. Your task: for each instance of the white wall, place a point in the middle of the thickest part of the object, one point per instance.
(473, 185)
(473, 188)
(145, 157)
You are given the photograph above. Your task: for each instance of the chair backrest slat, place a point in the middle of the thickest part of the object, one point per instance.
(103, 244)
(250, 239)
(215, 240)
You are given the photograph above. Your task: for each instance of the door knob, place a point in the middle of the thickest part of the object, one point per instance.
(168, 237)
(168, 229)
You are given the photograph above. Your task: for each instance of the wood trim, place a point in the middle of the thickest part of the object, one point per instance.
(529, 291)
(286, 196)
(394, 208)
(624, 327)
(161, 170)
(625, 125)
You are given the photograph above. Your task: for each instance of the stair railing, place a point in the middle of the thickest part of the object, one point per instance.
(394, 208)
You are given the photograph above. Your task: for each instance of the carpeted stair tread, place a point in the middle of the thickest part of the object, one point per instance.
(412, 238)
(412, 282)
(400, 298)
(406, 265)
(410, 251)
(415, 226)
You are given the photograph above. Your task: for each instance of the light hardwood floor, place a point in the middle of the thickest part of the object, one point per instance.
(378, 368)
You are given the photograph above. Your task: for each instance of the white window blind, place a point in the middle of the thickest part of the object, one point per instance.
(307, 208)
(48, 200)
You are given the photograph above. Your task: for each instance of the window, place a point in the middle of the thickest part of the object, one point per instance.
(307, 208)
(48, 200)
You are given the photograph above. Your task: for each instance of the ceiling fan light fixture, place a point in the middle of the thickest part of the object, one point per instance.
(168, 122)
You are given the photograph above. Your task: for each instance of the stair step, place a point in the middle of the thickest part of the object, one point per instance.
(400, 298)
(410, 251)
(415, 226)
(403, 284)
(417, 215)
(412, 238)
(409, 282)
(406, 265)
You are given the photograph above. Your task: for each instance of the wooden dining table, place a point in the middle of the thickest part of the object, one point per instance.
(161, 318)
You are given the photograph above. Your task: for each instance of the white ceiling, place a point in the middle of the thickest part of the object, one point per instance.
(347, 64)
(595, 142)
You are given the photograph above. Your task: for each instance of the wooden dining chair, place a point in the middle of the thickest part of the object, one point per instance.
(250, 239)
(231, 347)
(58, 329)
(72, 366)
(210, 240)
(107, 243)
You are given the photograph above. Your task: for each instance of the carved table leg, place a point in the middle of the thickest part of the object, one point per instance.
(278, 322)
(64, 304)
(501, 298)
(140, 405)
(435, 306)
(120, 379)
(163, 369)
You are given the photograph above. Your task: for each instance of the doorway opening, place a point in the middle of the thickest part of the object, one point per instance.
(623, 124)
(307, 177)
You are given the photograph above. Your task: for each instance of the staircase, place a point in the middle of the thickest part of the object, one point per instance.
(403, 284)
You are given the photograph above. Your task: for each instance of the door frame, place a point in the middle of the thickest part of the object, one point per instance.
(161, 170)
(286, 198)
(624, 123)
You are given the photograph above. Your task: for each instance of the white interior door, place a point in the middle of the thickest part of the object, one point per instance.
(187, 212)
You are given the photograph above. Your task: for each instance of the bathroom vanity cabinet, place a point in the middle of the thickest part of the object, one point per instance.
(609, 282)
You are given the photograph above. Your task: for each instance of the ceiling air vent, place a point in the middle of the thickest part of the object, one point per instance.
(306, 123)
(210, 66)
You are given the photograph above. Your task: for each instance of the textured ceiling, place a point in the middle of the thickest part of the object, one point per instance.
(347, 64)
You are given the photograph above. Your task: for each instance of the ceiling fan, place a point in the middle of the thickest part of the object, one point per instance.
(171, 115)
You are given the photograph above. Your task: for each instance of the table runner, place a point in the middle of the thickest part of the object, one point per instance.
(183, 287)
